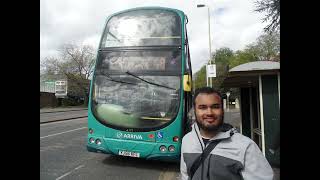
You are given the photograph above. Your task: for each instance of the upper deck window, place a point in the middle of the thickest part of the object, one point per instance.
(148, 27)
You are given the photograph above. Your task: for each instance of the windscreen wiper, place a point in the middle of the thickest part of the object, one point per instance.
(160, 85)
(115, 37)
(111, 79)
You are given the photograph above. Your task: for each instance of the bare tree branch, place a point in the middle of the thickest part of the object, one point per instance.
(272, 8)
(73, 64)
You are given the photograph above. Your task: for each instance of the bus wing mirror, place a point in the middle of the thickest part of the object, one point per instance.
(187, 83)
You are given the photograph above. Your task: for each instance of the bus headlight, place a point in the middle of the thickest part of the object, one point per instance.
(163, 148)
(91, 140)
(98, 141)
(171, 148)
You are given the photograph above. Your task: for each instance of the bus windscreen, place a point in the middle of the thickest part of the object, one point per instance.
(149, 27)
(135, 104)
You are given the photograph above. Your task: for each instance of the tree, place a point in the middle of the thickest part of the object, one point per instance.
(74, 64)
(222, 58)
(200, 78)
(272, 8)
(267, 47)
(78, 59)
(241, 57)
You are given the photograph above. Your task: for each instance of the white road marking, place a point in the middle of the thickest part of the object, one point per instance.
(70, 120)
(62, 132)
(66, 174)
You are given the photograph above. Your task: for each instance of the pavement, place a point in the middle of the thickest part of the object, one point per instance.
(48, 115)
(61, 109)
(276, 172)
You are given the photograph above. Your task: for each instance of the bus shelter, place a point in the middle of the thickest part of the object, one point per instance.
(259, 85)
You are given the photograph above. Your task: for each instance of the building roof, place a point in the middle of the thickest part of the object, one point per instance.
(247, 75)
(256, 65)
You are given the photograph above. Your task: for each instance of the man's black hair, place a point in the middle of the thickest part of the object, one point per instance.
(206, 90)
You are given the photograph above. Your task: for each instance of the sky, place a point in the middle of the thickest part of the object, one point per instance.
(233, 23)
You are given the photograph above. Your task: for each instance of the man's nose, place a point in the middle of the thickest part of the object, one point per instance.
(209, 111)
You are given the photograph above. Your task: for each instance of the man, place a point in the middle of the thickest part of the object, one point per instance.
(234, 157)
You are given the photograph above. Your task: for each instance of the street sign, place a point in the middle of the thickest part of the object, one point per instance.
(47, 86)
(211, 70)
(49, 82)
(61, 89)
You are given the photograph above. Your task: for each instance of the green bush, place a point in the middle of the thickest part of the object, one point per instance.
(69, 102)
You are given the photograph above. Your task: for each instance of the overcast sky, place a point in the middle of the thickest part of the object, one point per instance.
(234, 24)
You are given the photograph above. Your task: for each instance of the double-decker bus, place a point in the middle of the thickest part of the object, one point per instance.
(141, 87)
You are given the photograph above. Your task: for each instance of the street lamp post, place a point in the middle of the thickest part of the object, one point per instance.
(209, 61)
(228, 94)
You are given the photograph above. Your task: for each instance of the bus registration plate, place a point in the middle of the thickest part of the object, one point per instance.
(127, 153)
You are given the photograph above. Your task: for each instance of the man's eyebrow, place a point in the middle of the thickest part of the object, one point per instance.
(216, 105)
(202, 105)
(209, 104)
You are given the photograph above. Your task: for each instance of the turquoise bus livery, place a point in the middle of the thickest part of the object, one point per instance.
(140, 92)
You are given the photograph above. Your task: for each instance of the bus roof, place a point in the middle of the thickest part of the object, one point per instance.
(147, 7)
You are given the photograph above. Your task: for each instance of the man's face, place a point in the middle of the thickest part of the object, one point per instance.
(208, 111)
